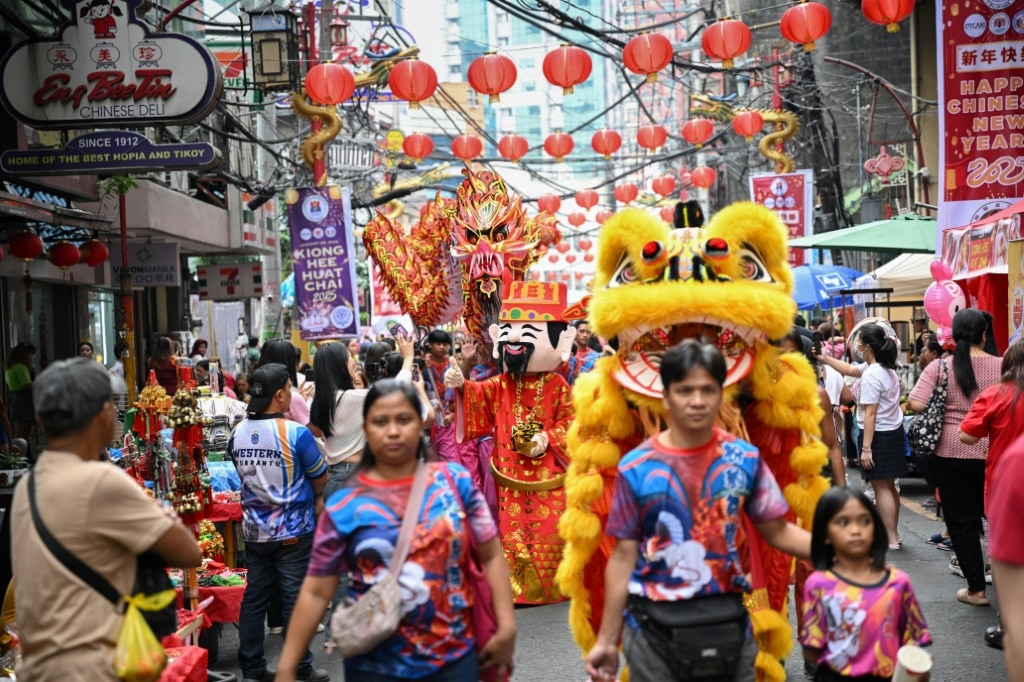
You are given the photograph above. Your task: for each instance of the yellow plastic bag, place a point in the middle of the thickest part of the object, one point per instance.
(139, 656)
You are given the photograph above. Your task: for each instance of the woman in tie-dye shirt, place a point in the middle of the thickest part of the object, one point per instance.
(858, 612)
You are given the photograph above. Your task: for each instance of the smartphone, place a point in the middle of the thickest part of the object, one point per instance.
(816, 340)
(416, 376)
(398, 329)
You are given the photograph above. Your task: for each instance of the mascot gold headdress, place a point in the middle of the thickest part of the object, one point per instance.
(654, 286)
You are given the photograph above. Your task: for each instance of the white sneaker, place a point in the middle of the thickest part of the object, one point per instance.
(320, 628)
(277, 630)
(954, 566)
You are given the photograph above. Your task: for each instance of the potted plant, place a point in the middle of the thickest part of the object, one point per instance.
(12, 466)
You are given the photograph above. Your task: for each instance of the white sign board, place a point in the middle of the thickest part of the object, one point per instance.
(152, 265)
(230, 281)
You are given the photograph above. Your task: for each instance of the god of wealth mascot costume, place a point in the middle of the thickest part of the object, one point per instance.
(528, 408)
(654, 286)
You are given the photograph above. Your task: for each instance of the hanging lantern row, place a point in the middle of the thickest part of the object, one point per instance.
(94, 252)
(805, 23)
(697, 131)
(587, 199)
(513, 147)
(492, 74)
(725, 40)
(417, 146)
(703, 177)
(647, 54)
(606, 142)
(412, 81)
(549, 203)
(626, 193)
(567, 67)
(651, 137)
(467, 147)
(28, 246)
(558, 145)
(663, 185)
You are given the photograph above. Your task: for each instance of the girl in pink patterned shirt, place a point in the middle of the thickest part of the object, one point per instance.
(858, 611)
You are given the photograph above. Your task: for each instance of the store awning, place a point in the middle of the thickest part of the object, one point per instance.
(13, 208)
(911, 233)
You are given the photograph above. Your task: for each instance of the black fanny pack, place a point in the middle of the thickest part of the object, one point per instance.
(702, 638)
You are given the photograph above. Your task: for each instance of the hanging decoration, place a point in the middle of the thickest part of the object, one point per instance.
(726, 40)
(697, 131)
(652, 136)
(412, 81)
(549, 203)
(576, 219)
(663, 185)
(587, 199)
(888, 13)
(329, 83)
(94, 252)
(567, 66)
(647, 54)
(562, 247)
(25, 245)
(588, 258)
(606, 142)
(747, 124)
(603, 215)
(553, 258)
(492, 74)
(570, 258)
(667, 214)
(513, 147)
(626, 192)
(64, 254)
(558, 145)
(585, 244)
(467, 147)
(805, 23)
(702, 176)
(884, 165)
(418, 146)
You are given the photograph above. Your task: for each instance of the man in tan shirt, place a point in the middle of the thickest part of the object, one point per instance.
(68, 630)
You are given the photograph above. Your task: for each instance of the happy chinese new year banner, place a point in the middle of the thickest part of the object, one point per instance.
(981, 94)
(326, 304)
(1015, 256)
(791, 195)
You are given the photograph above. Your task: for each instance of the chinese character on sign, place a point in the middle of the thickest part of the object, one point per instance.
(61, 56)
(105, 55)
(147, 53)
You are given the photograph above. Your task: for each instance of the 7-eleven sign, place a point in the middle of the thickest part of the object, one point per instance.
(230, 282)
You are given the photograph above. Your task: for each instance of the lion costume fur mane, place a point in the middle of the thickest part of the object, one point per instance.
(771, 397)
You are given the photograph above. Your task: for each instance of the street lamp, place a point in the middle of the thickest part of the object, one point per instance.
(275, 48)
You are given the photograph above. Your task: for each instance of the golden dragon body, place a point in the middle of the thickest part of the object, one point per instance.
(785, 123)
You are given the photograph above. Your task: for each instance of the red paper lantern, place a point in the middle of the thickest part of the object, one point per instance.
(588, 258)
(26, 245)
(64, 254)
(413, 81)
(329, 83)
(549, 203)
(585, 244)
(553, 258)
(492, 74)
(94, 252)
(563, 247)
(647, 54)
(565, 276)
(570, 258)
(467, 147)
(888, 13)
(697, 131)
(747, 124)
(626, 192)
(603, 216)
(587, 199)
(702, 176)
(651, 136)
(805, 23)
(567, 66)
(663, 185)
(418, 146)
(667, 214)
(606, 142)
(726, 40)
(579, 276)
(513, 147)
(558, 145)
(576, 219)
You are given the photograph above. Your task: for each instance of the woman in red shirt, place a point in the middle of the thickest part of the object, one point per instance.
(163, 365)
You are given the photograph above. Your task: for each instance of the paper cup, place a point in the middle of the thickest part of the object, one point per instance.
(913, 664)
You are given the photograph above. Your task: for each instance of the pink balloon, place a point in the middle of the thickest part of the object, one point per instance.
(942, 300)
(945, 337)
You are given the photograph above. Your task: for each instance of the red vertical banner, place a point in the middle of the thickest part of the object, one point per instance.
(981, 95)
(791, 195)
(384, 305)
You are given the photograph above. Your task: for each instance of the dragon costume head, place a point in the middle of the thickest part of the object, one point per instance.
(730, 285)
(457, 259)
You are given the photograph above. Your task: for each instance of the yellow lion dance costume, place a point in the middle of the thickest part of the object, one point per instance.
(730, 285)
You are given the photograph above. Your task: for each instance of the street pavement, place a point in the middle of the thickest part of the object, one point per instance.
(545, 650)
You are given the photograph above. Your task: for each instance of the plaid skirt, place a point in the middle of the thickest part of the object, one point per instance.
(889, 451)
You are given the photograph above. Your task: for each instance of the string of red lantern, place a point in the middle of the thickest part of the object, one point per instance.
(94, 252)
(412, 81)
(549, 203)
(587, 199)
(888, 13)
(651, 136)
(64, 254)
(697, 131)
(647, 54)
(567, 66)
(513, 147)
(747, 124)
(725, 40)
(805, 23)
(467, 147)
(558, 145)
(417, 146)
(329, 83)
(25, 245)
(492, 74)
(606, 142)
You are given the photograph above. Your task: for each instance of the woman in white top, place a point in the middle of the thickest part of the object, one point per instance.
(883, 446)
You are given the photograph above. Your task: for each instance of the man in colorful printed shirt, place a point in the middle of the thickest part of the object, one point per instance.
(283, 476)
(683, 506)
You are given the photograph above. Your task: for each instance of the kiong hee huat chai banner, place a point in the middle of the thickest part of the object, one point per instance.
(320, 221)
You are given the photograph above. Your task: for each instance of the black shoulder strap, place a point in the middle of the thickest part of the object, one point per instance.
(70, 561)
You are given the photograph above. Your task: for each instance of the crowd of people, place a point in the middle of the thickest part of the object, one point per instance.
(329, 456)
